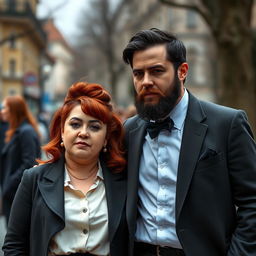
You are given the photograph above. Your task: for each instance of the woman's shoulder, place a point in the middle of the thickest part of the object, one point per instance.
(38, 170)
(42, 169)
(25, 127)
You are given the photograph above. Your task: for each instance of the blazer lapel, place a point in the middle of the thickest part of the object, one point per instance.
(115, 185)
(193, 137)
(136, 138)
(52, 188)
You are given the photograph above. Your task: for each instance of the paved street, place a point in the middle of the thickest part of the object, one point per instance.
(2, 234)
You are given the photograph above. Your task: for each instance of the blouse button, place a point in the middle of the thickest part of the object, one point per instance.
(85, 231)
(84, 210)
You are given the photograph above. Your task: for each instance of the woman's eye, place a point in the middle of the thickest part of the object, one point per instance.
(95, 127)
(75, 125)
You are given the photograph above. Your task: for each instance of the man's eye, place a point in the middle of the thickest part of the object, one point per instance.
(137, 74)
(157, 71)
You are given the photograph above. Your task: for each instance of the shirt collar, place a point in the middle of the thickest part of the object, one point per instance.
(178, 114)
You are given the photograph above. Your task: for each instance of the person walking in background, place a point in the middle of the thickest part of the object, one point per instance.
(74, 203)
(22, 147)
(3, 129)
(191, 164)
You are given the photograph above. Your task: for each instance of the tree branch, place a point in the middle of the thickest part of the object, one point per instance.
(118, 11)
(200, 9)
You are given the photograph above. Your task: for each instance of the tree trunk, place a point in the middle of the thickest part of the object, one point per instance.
(236, 86)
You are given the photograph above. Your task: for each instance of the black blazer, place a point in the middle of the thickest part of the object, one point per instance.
(216, 174)
(38, 211)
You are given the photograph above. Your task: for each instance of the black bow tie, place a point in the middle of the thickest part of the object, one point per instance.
(153, 128)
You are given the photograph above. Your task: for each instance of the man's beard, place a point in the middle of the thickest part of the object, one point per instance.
(163, 107)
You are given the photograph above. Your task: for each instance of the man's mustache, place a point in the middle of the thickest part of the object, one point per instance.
(145, 91)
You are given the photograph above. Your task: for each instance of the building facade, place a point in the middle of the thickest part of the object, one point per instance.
(22, 43)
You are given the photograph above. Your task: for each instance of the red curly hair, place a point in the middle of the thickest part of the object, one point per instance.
(94, 101)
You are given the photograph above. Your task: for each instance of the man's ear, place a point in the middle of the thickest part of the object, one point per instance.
(183, 71)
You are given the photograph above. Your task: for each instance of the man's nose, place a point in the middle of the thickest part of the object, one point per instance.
(147, 81)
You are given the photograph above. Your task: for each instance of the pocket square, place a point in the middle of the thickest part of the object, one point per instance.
(207, 154)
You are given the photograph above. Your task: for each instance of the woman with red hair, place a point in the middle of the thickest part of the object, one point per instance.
(22, 147)
(73, 203)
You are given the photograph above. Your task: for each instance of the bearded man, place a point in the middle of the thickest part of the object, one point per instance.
(191, 164)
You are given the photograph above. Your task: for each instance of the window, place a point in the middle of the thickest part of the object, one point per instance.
(11, 4)
(191, 19)
(12, 41)
(12, 67)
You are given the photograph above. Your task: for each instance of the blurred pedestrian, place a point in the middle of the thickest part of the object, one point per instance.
(74, 203)
(21, 148)
(3, 129)
(43, 128)
(191, 164)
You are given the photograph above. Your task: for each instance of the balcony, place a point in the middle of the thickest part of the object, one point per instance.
(21, 13)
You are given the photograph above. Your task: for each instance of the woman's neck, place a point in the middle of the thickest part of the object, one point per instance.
(81, 170)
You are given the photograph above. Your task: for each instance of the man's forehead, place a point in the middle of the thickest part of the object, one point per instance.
(150, 52)
(150, 58)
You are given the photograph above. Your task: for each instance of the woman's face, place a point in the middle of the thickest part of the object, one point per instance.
(5, 112)
(83, 136)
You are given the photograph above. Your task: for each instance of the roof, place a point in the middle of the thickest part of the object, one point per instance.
(54, 35)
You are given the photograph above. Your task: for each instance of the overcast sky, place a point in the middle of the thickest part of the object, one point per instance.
(65, 14)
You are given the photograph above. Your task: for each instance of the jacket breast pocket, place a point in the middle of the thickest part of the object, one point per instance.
(212, 161)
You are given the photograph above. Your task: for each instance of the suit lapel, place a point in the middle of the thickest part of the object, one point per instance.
(136, 139)
(193, 137)
(115, 185)
(52, 188)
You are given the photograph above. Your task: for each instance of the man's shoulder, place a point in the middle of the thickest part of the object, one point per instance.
(131, 122)
(217, 107)
(211, 107)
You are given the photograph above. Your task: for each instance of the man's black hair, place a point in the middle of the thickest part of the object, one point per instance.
(176, 51)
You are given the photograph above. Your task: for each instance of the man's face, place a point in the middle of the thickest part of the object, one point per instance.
(156, 82)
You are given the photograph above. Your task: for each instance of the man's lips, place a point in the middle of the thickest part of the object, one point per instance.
(148, 94)
(149, 97)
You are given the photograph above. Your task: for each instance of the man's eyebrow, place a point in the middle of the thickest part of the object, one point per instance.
(136, 70)
(150, 67)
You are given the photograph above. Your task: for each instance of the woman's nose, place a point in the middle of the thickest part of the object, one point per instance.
(83, 133)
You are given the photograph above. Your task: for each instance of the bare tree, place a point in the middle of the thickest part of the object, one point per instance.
(100, 36)
(230, 24)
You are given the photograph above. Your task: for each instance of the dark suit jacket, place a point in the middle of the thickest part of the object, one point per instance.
(216, 176)
(38, 211)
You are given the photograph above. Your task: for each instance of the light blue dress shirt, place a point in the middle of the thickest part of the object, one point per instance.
(157, 182)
